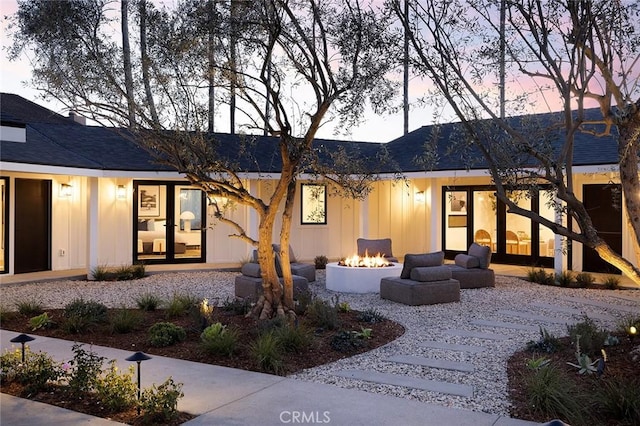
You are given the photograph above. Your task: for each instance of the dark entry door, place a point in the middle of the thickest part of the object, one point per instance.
(33, 226)
(603, 204)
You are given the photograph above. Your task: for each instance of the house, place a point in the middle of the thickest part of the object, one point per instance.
(76, 196)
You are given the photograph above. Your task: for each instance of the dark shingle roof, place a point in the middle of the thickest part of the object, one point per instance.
(58, 141)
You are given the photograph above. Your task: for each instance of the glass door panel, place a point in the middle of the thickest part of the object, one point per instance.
(4, 228)
(151, 221)
(485, 219)
(547, 237)
(456, 220)
(188, 211)
(518, 229)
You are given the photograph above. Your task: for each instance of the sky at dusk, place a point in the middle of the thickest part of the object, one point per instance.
(14, 78)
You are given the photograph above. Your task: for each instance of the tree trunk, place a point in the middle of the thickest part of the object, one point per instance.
(628, 140)
(613, 258)
(285, 237)
(126, 60)
(145, 61)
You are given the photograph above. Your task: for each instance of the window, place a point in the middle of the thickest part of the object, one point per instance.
(314, 204)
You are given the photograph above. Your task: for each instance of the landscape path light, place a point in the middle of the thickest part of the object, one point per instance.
(22, 339)
(138, 357)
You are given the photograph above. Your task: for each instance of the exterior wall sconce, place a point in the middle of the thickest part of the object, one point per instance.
(187, 217)
(121, 192)
(419, 197)
(66, 190)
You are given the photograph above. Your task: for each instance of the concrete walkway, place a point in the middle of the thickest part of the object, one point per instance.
(227, 396)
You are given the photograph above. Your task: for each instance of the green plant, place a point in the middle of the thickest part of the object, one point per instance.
(611, 283)
(540, 276)
(624, 325)
(537, 363)
(40, 322)
(611, 340)
(550, 394)
(364, 333)
(345, 341)
(180, 305)
(37, 372)
(547, 343)
(94, 311)
(302, 302)
(321, 261)
(101, 273)
(29, 308)
(80, 315)
(165, 334)
(584, 279)
(267, 352)
(125, 320)
(237, 306)
(590, 337)
(293, 339)
(148, 302)
(320, 314)
(202, 315)
(371, 316)
(219, 340)
(117, 392)
(86, 367)
(159, 405)
(564, 279)
(139, 270)
(620, 399)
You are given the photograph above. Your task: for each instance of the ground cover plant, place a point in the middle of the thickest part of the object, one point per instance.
(589, 377)
(220, 335)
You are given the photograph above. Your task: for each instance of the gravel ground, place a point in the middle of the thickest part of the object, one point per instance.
(422, 323)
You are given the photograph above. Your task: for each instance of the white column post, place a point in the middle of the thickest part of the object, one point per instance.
(93, 196)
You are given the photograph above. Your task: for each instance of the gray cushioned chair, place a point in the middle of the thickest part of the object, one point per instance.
(375, 247)
(472, 269)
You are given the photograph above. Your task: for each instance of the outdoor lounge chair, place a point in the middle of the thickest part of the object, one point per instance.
(472, 269)
(375, 247)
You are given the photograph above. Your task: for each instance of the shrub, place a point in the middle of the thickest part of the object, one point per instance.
(584, 279)
(219, 340)
(564, 279)
(552, 395)
(547, 343)
(40, 322)
(180, 305)
(165, 334)
(120, 273)
(117, 392)
(611, 283)
(237, 306)
(86, 367)
(148, 302)
(293, 339)
(321, 261)
(36, 373)
(540, 276)
(29, 308)
(302, 302)
(266, 350)
(94, 311)
(620, 399)
(371, 316)
(81, 315)
(346, 341)
(159, 405)
(320, 314)
(591, 338)
(125, 321)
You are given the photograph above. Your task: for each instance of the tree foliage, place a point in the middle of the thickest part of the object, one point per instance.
(567, 54)
(284, 67)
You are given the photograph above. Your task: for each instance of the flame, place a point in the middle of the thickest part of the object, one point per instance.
(366, 261)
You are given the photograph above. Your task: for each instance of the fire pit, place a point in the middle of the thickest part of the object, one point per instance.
(363, 277)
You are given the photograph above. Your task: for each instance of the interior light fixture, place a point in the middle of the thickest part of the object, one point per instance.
(187, 217)
(419, 197)
(121, 192)
(66, 190)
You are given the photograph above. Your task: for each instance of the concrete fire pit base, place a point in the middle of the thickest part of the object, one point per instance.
(347, 279)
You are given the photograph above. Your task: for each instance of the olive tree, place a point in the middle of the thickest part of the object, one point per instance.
(287, 67)
(574, 54)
